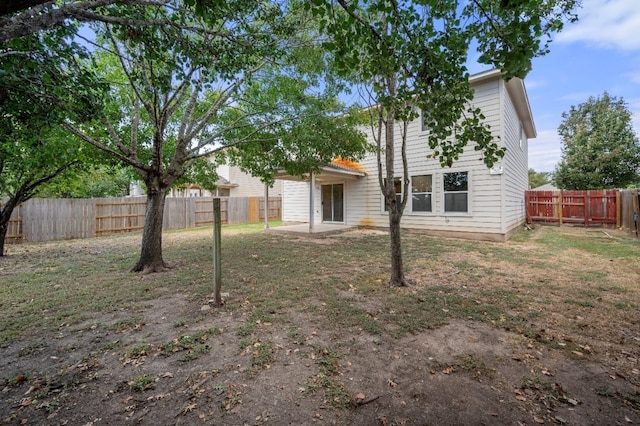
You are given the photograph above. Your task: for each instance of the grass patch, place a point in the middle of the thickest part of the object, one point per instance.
(262, 355)
(327, 380)
(468, 363)
(581, 303)
(193, 346)
(136, 353)
(142, 383)
(339, 283)
(632, 400)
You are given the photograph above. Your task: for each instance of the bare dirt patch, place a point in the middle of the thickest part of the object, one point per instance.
(515, 334)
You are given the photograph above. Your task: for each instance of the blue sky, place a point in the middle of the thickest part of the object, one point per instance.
(601, 52)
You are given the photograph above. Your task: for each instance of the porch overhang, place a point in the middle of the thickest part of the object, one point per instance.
(328, 173)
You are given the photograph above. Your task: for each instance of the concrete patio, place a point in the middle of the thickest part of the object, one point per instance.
(319, 229)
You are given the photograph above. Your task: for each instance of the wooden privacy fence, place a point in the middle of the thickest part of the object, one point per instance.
(612, 208)
(46, 219)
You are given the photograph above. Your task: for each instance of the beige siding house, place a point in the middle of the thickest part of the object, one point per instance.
(467, 200)
(241, 184)
(232, 182)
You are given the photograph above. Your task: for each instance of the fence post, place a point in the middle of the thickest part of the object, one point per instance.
(217, 251)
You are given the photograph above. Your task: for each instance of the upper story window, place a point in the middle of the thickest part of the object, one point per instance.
(421, 192)
(423, 125)
(456, 192)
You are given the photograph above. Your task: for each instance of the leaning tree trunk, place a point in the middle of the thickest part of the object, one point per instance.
(151, 252)
(5, 216)
(3, 234)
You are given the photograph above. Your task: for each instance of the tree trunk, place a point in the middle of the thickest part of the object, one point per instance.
(151, 252)
(3, 233)
(5, 216)
(397, 270)
(395, 211)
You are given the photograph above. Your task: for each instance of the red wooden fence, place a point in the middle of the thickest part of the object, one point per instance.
(585, 208)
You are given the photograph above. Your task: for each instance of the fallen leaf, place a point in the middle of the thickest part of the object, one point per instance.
(391, 383)
(189, 408)
(577, 353)
(360, 395)
(538, 420)
(448, 370)
(627, 419)
(167, 375)
(546, 372)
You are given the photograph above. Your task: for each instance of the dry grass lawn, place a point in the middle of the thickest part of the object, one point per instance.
(543, 329)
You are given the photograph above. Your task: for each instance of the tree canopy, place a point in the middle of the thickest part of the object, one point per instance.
(42, 83)
(411, 58)
(233, 80)
(600, 148)
(537, 179)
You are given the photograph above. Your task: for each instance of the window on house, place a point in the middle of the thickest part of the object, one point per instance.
(456, 192)
(423, 125)
(397, 183)
(521, 136)
(421, 190)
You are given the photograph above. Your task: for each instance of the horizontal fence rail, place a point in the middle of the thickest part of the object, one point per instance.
(47, 219)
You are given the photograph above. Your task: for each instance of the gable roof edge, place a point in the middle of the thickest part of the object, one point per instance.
(518, 94)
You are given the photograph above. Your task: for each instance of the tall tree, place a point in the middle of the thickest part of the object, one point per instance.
(600, 148)
(41, 84)
(184, 90)
(537, 179)
(411, 57)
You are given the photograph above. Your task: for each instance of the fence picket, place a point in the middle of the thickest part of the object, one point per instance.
(46, 219)
(588, 208)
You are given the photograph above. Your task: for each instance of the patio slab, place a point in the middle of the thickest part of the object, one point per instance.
(319, 229)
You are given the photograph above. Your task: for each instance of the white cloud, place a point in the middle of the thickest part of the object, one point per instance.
(611, 24)
(544, 151)
(534, 84)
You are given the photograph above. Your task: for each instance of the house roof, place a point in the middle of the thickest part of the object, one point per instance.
(518, 93)
(347, 165)
(338, 168)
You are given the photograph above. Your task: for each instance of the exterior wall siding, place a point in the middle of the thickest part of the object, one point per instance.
(249, 186)
(516, 175)
(295, 201)
(495, 200)
(484, 192)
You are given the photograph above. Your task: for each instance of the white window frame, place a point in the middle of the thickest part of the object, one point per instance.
(467, 191)
(431, 193)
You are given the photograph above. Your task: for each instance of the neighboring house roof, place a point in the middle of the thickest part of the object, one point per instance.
(224, 183)
(518, 94)
(546, 187)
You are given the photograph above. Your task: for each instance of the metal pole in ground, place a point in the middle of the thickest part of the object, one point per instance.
(217, 251)
(266, 206)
